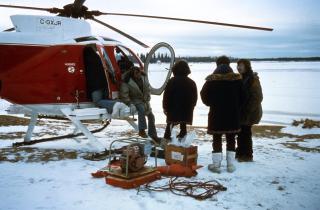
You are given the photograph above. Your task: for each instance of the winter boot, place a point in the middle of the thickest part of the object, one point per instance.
(244, 158)
(142, 134)
(230, 161)
(216, 163)
(183, 131)
(181, 135)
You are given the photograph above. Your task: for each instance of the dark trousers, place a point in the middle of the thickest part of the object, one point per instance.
(217, 142)
(183, 130)
(244, 142)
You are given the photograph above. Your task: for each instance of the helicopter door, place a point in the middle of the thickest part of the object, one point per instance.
(158, 66)
(109, 73)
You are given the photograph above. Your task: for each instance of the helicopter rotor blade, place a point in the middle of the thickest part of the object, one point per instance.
(51, 10)
(120, 32)
(190, 20)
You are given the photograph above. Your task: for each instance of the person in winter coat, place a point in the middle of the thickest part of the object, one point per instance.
(135, 91)
(179, 99)
(251, 112)
(223, 93)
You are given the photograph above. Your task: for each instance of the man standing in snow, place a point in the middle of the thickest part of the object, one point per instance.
(251, 112)
(223, 93)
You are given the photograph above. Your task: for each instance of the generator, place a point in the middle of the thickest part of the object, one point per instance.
(133, 158)
(129, 169)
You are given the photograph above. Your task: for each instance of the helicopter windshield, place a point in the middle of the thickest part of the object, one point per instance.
(126, 59)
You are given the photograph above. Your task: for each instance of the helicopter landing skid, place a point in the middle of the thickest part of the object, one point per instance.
(86, 114)
(56, 138)
(75, 116)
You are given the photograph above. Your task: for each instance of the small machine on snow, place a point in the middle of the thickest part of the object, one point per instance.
(128, 167)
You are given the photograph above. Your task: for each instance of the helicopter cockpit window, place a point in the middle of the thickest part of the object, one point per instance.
(110, 68)
(125, 59)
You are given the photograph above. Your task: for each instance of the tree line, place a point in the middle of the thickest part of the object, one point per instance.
(164, 58)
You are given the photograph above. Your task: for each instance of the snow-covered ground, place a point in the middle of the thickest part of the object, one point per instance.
(279, 178)
(285, 173)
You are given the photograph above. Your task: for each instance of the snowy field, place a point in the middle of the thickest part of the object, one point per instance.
(285, 173)
(281, 177)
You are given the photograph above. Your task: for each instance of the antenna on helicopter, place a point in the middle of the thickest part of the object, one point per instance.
(78, 10)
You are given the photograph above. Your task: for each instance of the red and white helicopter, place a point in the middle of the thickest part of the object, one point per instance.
(42, 67)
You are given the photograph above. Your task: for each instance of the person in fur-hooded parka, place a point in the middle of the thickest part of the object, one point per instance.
(223, 93)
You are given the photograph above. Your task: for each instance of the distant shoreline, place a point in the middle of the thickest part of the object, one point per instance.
(282, 59)
(165, 58)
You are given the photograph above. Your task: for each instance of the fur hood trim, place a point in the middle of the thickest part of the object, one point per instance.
(225, 77)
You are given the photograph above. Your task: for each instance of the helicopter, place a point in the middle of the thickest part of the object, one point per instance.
(43, 69)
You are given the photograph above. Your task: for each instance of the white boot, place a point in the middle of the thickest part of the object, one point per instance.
(230, 161)
(216, 163)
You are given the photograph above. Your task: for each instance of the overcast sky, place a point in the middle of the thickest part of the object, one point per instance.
(296, 25)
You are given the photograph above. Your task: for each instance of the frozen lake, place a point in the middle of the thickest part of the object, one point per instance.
(291, 91)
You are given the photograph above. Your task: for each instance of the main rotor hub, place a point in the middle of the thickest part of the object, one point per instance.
(70, 10)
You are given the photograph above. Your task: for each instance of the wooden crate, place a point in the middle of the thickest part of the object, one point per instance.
(181, 155)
